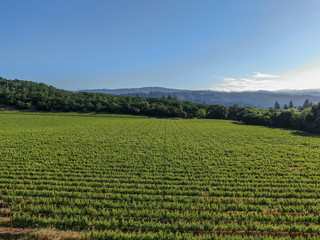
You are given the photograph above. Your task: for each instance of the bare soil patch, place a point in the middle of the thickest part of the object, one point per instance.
(7, 233)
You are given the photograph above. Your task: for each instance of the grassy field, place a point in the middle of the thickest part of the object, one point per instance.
(125, 177)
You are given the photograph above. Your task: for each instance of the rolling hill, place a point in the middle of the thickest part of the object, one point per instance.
(259, 99)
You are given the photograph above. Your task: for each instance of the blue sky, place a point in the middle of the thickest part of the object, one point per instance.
(200, 44)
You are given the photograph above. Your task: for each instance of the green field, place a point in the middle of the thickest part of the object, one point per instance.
(121, 177)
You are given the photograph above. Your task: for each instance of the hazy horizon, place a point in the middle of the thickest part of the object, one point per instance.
(195, 45)
(202, 89)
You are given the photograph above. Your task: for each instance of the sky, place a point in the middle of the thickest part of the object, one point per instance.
(228, 45)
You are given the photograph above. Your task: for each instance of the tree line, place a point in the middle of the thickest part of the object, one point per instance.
(29, 95)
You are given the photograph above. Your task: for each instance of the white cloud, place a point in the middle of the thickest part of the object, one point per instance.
(264, 75)
(242, 84)
(303, 78)
(229, 79)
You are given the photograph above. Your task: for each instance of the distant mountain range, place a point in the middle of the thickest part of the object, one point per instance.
(259, 99)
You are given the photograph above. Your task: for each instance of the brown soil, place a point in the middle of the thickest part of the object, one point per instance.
(7, 233)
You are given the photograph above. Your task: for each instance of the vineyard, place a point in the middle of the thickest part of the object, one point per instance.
(127, 177)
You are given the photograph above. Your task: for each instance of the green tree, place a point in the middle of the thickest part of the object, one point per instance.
(276, 105)
(201, 113)
(234, 112)
(291, 104)
(217, 112)
(307, 103)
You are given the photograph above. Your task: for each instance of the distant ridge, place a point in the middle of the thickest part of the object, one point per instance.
(259, 99)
